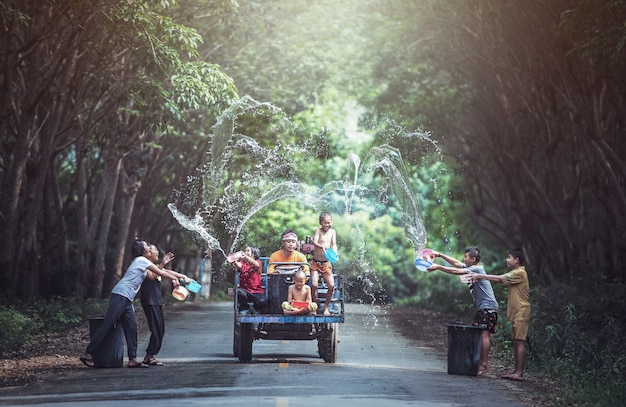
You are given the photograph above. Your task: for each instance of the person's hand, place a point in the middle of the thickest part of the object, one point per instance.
(433, 267)
(175, 283)
(167, 258)
(473, 277)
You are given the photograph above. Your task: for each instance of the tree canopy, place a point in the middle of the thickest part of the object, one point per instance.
(507, 116)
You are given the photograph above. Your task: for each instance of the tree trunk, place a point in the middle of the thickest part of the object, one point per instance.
(113, 165)
(127, 193)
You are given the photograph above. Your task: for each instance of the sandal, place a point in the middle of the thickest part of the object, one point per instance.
(153, 362)
(87, 361)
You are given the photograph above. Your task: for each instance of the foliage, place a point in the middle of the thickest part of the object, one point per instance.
(15, 329)
(508, 116)
(580, 343)
(514, 134)
(86, 96)
(289, 52)
(57, 314)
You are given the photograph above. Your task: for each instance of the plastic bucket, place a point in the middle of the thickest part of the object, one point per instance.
(234, 257)
(422, 265)
(180, 293)
(301, 304)
(193, 286)
(331, 255)
(426, 254)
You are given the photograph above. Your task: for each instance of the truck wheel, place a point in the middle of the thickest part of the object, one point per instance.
(330, 355)
(322, 340)
(236, 338)
(245, 343)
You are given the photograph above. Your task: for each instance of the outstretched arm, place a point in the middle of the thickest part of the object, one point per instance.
(475, 277)
(450, 270)
(451, 260)
(166, 259)
(169, 274)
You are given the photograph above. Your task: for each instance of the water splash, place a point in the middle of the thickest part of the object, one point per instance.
(389, 160)
(229, 202)
(195, 224)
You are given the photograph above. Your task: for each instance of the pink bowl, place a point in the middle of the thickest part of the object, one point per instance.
(234, 257)
(426, 254)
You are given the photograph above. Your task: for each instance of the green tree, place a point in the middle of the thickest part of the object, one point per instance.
(85, 86)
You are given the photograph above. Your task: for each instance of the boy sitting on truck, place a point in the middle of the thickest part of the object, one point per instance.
(299, 296)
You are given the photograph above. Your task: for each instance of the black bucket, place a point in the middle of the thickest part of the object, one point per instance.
(278, 290)
(464, 343)
(110, 353)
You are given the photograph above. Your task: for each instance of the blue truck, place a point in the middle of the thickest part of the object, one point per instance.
(271, 324)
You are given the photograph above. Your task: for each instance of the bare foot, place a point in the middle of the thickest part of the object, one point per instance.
(483, 371)
(513, 376)
(326, 311)
(134, 363)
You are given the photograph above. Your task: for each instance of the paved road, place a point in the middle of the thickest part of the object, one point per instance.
(376, 366)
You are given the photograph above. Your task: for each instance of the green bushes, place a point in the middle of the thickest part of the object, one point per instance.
(580, 344)
(19, 324)
(15, 329)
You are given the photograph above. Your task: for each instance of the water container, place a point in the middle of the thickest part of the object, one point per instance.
(331, 255)
(180, 293)
(422, 265)
(110, 353)
(193, 286)
(464, 342)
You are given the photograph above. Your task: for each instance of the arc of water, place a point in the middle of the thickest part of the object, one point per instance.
(195, 224)
(389, 160)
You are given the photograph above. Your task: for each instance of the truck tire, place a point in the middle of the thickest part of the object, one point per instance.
(322, 340)
(330, 355)
(236, 338)
(245, 343)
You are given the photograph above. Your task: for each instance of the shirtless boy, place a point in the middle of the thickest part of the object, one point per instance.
(299, 292)
(323, 238)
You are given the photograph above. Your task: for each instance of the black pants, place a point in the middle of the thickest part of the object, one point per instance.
(244, 297)
(156, 323)
(120, 308)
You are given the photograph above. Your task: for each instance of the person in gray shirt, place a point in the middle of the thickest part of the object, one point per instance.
(486, 315)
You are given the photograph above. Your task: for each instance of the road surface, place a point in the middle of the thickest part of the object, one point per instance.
(375, 366)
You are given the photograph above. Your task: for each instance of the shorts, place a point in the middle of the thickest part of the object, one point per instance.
(322, 267)
(520, 330)
(486, 319)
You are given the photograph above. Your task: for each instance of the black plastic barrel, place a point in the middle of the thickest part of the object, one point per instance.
(110, 353)
(278, 290)
(464, 342)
